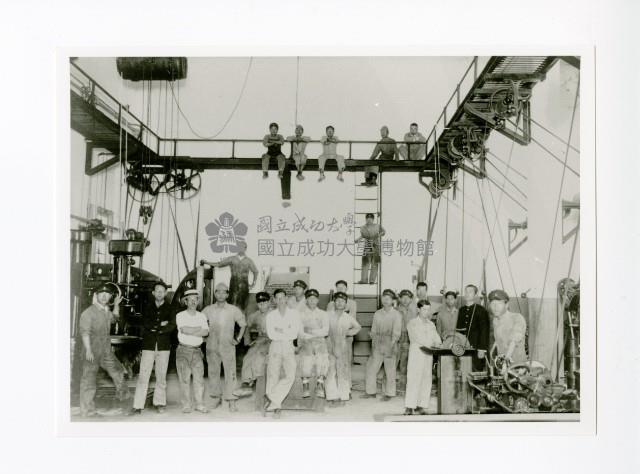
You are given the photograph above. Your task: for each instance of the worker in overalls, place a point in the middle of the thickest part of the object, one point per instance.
(314, 356)
(509, 329)
(447, 317)
(283, 327)
(385, 149)
(241, 265)
(351, 308)
(221, 346)
(423, 338)
(408, 311)
(95, 327)
(255, 337)
(370, 235)
(385, 334)
(342, 327)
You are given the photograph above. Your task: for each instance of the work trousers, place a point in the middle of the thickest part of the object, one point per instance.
(376, 360)
(338, 385)
(300, 159)
(314, 357)
(239, 292)
(189, 362)
(227, 358)
(419, 369)
(369, 270)
(266, 158)
(281, 358)
(417, 151)
(147, 361)
(322, 159)
(403, 357)
(103, 358)
(254, 360)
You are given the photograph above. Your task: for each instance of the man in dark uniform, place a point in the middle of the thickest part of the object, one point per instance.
(95, 327)
(473, 322)
(158, 321)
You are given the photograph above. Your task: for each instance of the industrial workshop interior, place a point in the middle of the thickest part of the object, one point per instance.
(324, 239)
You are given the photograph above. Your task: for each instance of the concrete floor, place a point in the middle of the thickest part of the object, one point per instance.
(355, 410)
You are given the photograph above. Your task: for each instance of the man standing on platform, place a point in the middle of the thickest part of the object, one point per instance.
(283, 327)
(241, 266)
(221, 346)
(385, 334)
(158, 321)
(473, 322)
(95, 327)
(371, 234)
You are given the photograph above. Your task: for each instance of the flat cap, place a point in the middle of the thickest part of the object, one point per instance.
(406, 293)
(499, 295)
(389, 292)
(340, 294)
(191, 292)
(311, 292)
(105, 288)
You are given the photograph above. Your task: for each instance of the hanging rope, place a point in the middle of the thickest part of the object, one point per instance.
(557, 208)
(554, 135)
(446, 245)
(233, 111)
(295, 121)
(462, 235)
(486, 220)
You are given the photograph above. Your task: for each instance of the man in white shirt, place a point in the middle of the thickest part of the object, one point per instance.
(283, 327)
(221, 346)
(329, 152)
(192, 327)
(417, 151)
(313, 347)
(299, 145)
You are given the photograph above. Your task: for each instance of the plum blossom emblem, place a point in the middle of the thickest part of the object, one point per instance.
(226, 233)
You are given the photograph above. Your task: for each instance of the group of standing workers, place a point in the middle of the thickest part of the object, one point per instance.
(293, 337)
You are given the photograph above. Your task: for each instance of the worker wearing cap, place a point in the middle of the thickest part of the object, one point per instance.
(158, 322)
(299, 288)
(221, 346)
(509, 328)
(192, 328)
(351, 308)
(447, 318)
(408, 311)
(314, 355)
(473, 322)
(423, 339)
(385, 334)
(256, 339)
(342, 327)
(283, 327)
(370, 233)
(94, 328)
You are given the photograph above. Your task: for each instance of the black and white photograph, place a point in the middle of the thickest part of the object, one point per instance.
(318, 238)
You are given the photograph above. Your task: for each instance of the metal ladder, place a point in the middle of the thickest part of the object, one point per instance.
(367, 297)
